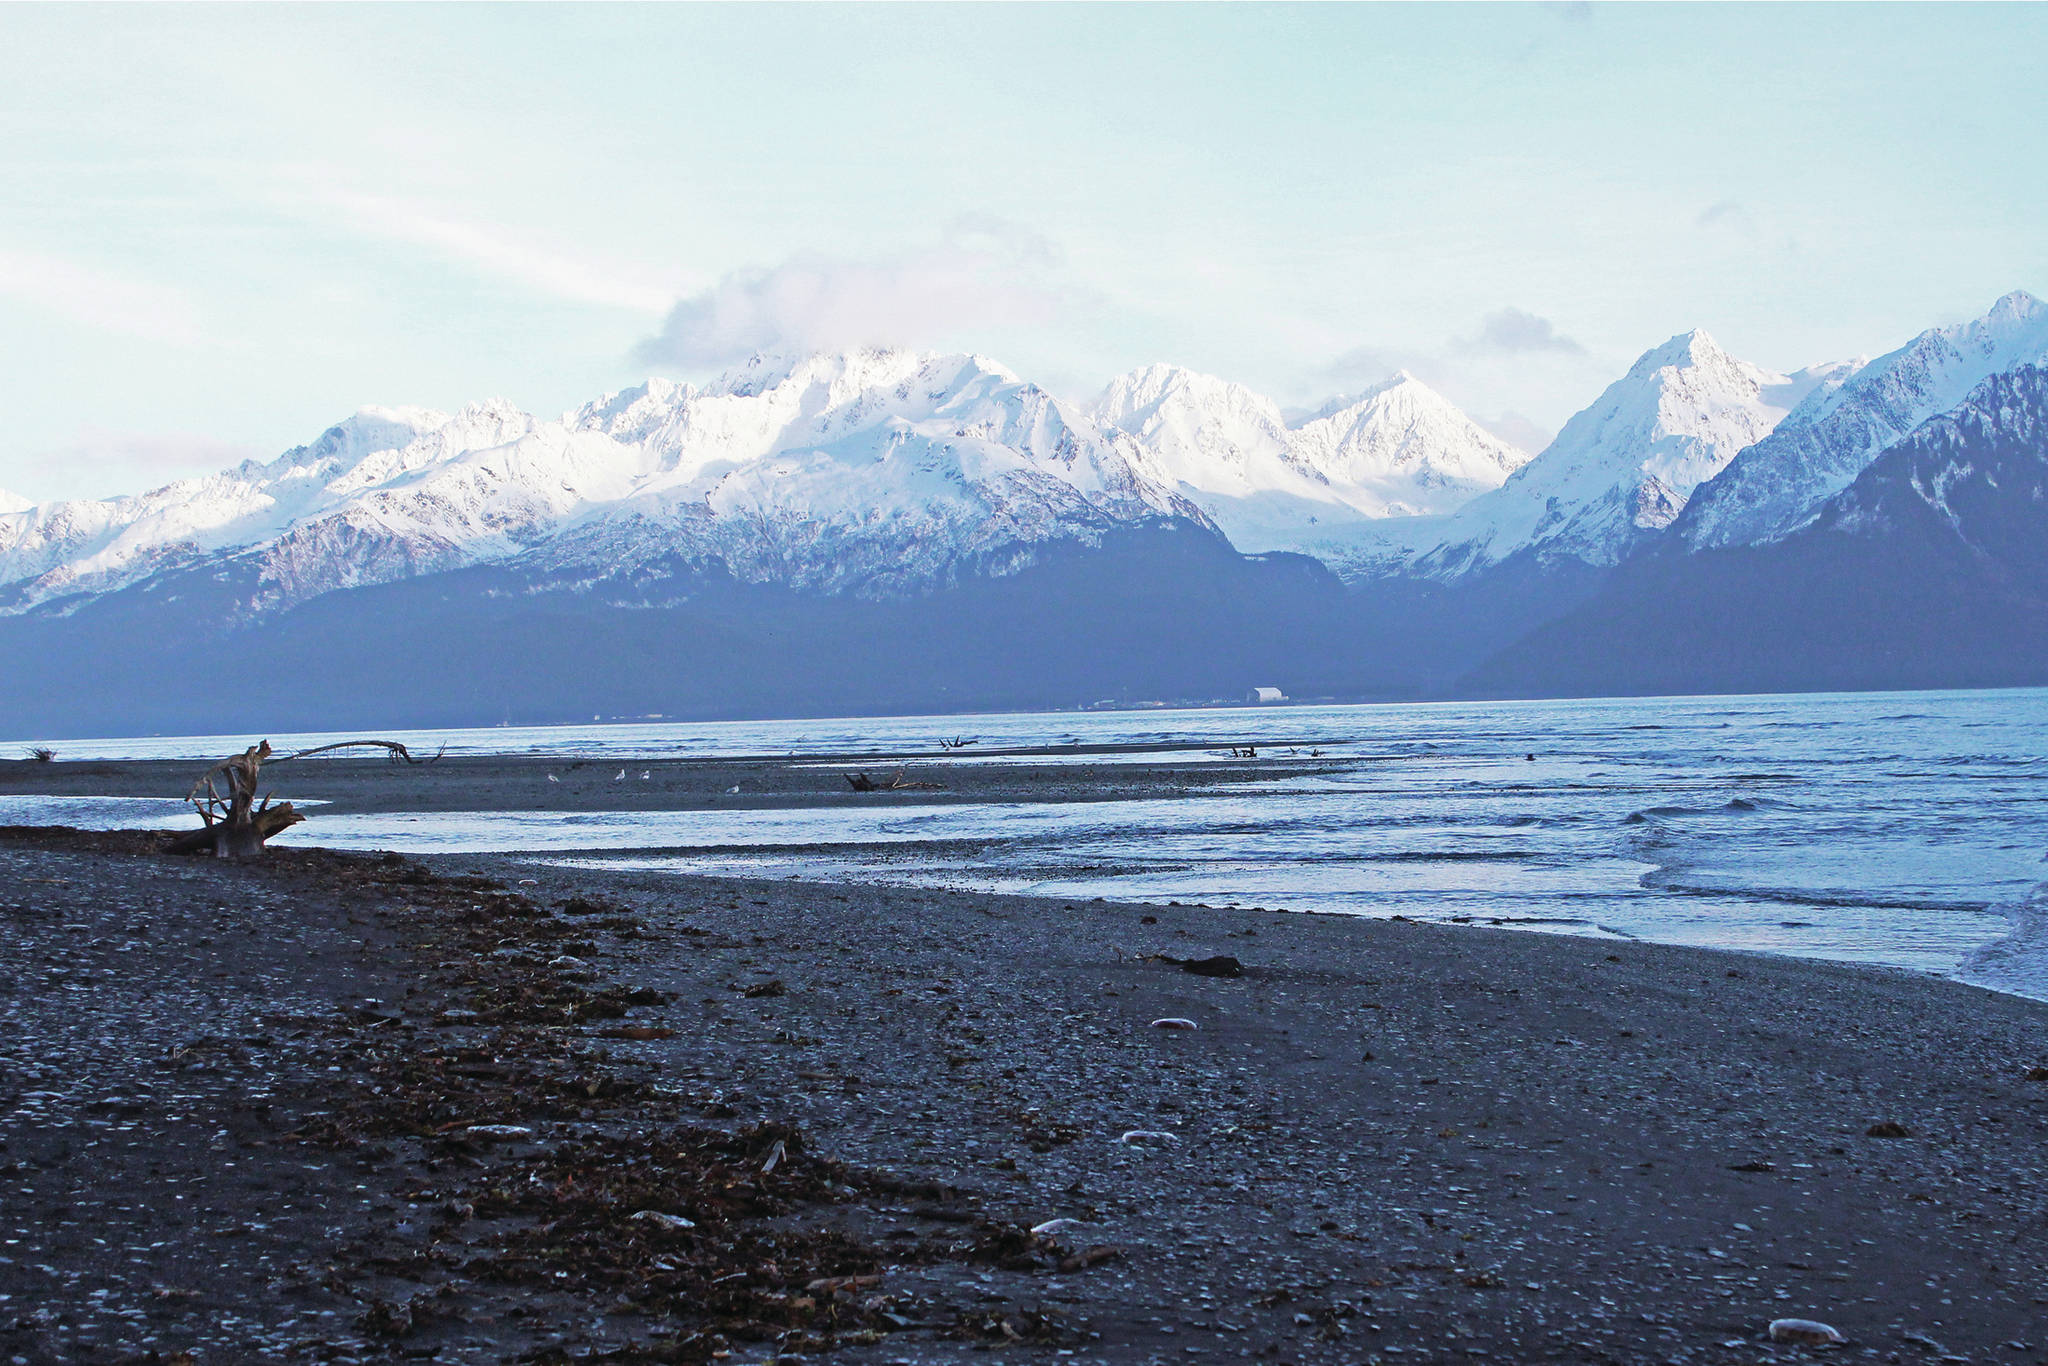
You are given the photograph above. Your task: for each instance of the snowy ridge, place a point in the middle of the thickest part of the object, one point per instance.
(1842, 427)
(1618, 472)
(1406, 447)
(869, 471)
(1979, 470)
(13, 502)
(1399, 449)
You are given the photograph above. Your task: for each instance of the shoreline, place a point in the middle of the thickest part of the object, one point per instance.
(677, 794)
(1391, 1141)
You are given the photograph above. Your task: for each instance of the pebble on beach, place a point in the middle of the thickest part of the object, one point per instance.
(1805, 1332)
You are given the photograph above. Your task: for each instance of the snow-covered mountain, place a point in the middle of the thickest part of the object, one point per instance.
(1840, 428)
(13, 502)
(1929, 570)
(1398, 449)
(867, 471)
(1618, 472)
(873, 472)
(1406, 448)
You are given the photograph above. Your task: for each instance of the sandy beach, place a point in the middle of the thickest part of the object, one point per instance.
(241, 1106)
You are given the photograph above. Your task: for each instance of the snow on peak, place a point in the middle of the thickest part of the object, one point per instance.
(1397, 449)
(13, 502)
(1856, 412)
(840, 471)
(1206, 433)
(1407, 448)
(1619, 470)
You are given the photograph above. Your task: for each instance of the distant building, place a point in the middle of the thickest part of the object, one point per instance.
(1268, 695)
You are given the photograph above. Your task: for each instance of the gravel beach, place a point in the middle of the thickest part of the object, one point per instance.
(241, 1108)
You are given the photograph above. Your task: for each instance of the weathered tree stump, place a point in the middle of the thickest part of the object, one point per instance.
(235, 825)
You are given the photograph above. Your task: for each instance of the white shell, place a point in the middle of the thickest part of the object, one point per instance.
(1805, 1332)
(1174, 1022)
(499, 1131)
(1149, 1138)
(672, 1222)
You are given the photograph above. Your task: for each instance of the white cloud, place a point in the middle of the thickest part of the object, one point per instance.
(492, 251)
(1511, 330)
(984, 274)
(96, 299)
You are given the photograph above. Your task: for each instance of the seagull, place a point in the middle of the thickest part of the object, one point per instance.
(733, 791)
(622, 776)
(553, 779)
(645, 775)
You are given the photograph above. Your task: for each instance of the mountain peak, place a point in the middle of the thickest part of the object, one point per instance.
(13, 502)
(2018, 304)
(1688, 349)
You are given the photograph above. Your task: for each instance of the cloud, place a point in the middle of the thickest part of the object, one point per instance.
(98, 463)
(984, 274)
(95, 299)
(491, 251)
(1512, 331)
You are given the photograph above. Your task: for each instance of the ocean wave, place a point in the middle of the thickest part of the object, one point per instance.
(1736, 805)
(1670, 881)
(2018, 962)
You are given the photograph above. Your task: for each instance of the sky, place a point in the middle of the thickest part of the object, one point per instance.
(224, 229)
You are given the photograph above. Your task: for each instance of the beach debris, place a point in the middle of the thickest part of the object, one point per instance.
(957, 742)
(1148, 1138)
(775, 1156)
(553, 779)
(1805, 1333)
(2037, 1074)
(383, 1319)
(1222, 965)
(1053, 1227)
(772, 987)
(839, 1285)
(1755, 1165)
(1887, 1128)
(1093, 1256)
(672, 1223)
(497, 1131)
(1175, 1022)
(42, 754)
(863, 782)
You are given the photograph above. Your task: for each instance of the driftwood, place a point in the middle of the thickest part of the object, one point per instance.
(957, 742)
(234, 824)
(861, 782)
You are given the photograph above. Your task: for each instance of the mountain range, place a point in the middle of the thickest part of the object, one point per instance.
(766, 541)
